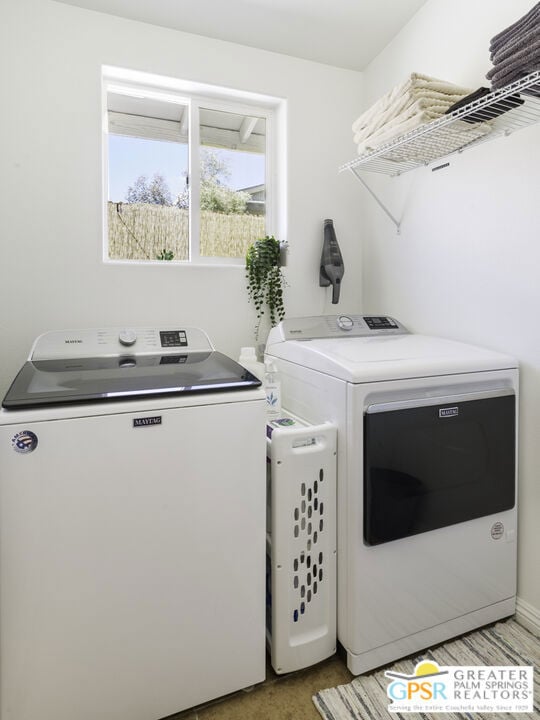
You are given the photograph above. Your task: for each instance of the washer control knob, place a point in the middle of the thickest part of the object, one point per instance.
(127, 337)
(345, 322)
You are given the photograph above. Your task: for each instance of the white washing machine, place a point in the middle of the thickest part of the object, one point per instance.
(132, 527)
(427, 437)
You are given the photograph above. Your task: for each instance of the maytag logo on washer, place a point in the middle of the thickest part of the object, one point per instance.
(24, 442)
(146, 421)
(448, 412)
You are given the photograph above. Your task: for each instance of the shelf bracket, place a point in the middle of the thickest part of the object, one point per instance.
(397, 223)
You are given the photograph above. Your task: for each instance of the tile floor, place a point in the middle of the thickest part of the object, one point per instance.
(280, 697)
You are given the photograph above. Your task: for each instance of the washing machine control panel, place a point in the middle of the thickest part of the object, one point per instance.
(116, 342)
(333, 326)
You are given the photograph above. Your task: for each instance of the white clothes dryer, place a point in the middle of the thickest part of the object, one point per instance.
(132, 527)
(426, 498)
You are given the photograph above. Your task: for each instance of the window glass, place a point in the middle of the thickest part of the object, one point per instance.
(144, 219)
(148, 170)
(178, 193)
(232, 182)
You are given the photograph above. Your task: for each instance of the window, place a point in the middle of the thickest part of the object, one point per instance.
(187, 170)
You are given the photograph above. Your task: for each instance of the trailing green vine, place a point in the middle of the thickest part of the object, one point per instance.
(265, 280)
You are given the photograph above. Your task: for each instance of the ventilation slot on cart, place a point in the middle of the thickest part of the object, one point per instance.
(308, 537)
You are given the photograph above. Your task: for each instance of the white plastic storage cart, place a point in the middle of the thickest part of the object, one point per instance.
(301, 543)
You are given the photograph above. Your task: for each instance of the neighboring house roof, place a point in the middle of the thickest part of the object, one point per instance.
(254, 191)
(257, 203)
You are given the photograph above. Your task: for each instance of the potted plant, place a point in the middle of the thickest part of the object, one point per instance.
(265, 280)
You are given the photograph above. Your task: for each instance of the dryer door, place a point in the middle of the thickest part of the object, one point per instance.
(432, 465)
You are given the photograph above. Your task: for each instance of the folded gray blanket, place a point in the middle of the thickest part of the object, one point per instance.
(527, 22)
(515, 51)
(501, 81)
(528, 56)
(519, 42)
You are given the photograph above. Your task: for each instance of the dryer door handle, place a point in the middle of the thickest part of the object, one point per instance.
(441, 400)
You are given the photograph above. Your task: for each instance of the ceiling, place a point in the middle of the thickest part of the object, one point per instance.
(344, 33)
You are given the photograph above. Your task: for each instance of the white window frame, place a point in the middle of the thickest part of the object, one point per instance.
(196, 96)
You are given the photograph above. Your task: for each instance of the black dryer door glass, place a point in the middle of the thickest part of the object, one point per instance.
(432, 466)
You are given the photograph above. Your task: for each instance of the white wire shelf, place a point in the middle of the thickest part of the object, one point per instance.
(500, 113)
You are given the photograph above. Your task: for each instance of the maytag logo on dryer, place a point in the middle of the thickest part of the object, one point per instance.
(448, 412)
(147, 421)
(73, 342)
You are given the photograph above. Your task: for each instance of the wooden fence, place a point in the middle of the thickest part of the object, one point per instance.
(139, 231)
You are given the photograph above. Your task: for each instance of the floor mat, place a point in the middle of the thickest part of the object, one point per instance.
(505, 643)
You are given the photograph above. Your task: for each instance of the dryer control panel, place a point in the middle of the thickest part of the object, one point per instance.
(333, 326)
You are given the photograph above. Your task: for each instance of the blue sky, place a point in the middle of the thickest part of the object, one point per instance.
(130, 157)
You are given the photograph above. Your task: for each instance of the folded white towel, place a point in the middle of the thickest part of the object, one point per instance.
(408, 92)
(429, 102)
(394, 129)
(418, 100)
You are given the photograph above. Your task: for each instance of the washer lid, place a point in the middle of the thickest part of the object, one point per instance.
(94, 365)
(388, 357)
(52, 382)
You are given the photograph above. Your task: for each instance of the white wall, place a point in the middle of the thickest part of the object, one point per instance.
(467, 261)
(51, 272)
